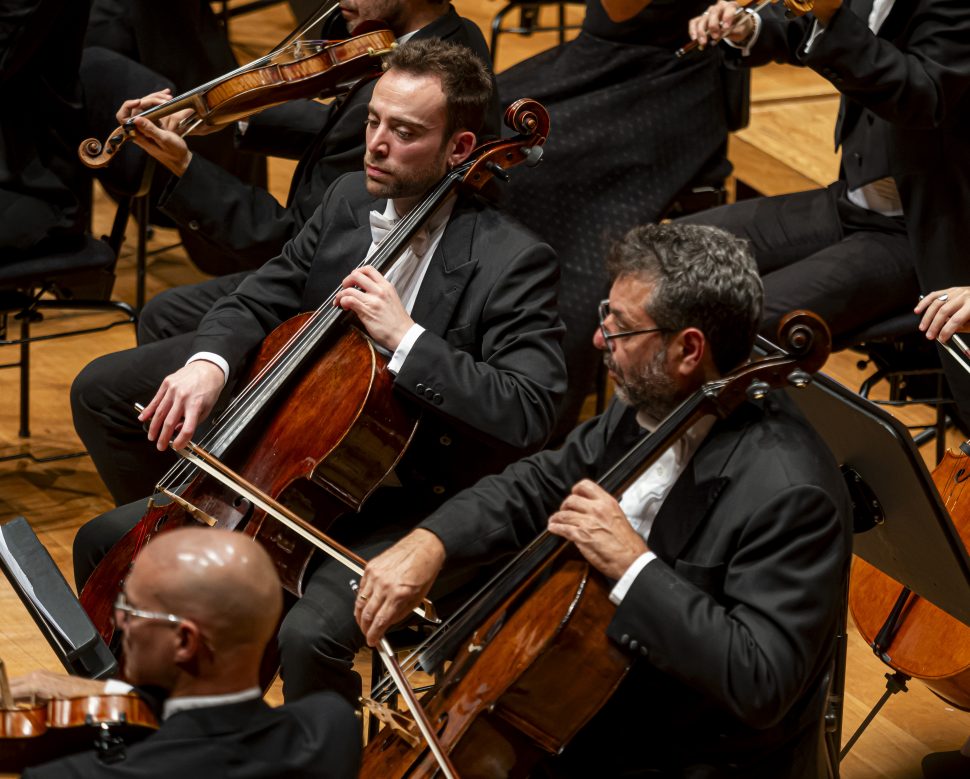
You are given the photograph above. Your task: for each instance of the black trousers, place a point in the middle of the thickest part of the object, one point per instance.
(103, 393)
(816, 250)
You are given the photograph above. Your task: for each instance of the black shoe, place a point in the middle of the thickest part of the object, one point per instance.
(946, 765)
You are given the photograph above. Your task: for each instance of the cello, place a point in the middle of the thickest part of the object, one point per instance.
(260, 454)
(906, 631)
(502, 704)
(295, 68)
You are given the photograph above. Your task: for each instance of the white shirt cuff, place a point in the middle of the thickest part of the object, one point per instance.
(215, 359)
(817, 30)
(117, 687)
(753, 39)
(404, 348)
(618, 593)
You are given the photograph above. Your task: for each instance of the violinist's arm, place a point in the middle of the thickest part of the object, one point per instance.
(45, 685)
(945, 312)
(162, 138)
(721, 20)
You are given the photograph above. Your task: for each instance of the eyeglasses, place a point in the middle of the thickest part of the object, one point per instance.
(122, 605)
(604, 312)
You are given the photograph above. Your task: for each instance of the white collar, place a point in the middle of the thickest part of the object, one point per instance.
(187, 702)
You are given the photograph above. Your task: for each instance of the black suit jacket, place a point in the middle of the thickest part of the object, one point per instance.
(248, 223)
(489, 369)
(905, 112)
(732, 627)
(44, 191)
(317, 736)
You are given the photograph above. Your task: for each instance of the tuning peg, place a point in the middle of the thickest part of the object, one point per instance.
(757, 390)
(798, 378)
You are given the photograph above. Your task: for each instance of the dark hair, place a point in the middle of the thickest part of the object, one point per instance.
(465, 79)
(703, 277)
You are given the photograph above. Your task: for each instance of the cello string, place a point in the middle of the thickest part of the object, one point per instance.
(323, 318)
(307, 336)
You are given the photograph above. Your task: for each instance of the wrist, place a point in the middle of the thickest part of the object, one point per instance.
(744, 28)
(181, 165)
(430, 544)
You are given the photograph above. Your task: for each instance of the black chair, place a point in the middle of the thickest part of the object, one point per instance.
(529, 21)
(130, 186)
(80, 279)
(902, 356)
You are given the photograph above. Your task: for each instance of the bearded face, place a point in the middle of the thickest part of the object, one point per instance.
(647, 387)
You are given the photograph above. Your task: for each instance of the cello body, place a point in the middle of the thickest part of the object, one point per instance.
(343, 430)
(503, 703)
(928, 643)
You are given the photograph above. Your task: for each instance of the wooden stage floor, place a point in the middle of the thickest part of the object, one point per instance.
(58, 497)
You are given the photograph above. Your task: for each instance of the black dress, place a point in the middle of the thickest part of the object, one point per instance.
(631, 126)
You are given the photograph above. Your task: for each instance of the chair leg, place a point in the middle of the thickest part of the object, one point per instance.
(25, 376)
(141, 218)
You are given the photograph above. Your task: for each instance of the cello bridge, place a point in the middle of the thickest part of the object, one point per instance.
(401, 723)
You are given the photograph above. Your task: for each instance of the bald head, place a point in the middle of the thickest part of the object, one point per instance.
(225, 582)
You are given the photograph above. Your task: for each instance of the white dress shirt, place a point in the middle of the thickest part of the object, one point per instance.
(642, 500)
(406, 274)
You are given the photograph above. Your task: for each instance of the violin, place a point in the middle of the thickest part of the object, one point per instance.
(794, 8)
(272, 458)
(907, 632)
(502, 704)
(294, 69)
(31, 733)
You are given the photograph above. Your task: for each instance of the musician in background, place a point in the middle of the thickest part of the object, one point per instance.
(727, 558)
(861, 250)
(634, 126)
(468, 318)
(243, 225)
(196, 613)
(246, 224)
(137, 46)
(44, 189)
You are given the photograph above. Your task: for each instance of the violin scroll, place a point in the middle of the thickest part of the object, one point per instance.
(94, 155)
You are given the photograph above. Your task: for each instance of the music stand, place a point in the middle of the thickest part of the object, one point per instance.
(50, 601)
(901, 525)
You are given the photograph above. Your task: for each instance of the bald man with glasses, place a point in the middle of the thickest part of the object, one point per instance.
(196, 614)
